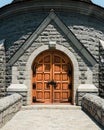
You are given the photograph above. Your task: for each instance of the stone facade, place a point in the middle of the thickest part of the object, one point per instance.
(86, 35)
(31, 28)
(94, 105)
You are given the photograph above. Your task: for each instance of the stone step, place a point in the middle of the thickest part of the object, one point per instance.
(60, 107)
(51, 117)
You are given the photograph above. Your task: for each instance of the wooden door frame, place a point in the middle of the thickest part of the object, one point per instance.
(36, 52)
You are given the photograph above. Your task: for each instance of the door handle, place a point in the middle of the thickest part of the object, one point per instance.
(52, 82)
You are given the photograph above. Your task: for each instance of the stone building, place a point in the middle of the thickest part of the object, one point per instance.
(51, 51)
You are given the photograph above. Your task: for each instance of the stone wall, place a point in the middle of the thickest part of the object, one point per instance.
(52, 32)
(19, 28)
(88, 32)
(2, 69)
(15, 31)
(101, 69)
(94, 105)
(8, 107)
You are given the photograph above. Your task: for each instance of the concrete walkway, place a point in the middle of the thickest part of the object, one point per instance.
(51, 117)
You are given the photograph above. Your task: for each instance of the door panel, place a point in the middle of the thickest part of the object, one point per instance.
(51, 78)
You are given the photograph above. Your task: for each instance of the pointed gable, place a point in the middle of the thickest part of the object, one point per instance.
(67, 32)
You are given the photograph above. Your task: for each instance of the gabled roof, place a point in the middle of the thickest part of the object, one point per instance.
(68, 33)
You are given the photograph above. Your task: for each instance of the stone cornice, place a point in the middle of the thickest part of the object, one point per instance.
(65, 5)
(14, 1)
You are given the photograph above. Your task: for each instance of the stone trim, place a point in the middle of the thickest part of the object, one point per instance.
(81, 7)
(20, 89)
(85, 88)
(28, 72)
(17, 87)
(77, 44)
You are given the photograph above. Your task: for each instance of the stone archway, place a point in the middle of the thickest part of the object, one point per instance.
(28, 72)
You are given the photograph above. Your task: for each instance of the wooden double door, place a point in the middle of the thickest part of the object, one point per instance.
(52, 78)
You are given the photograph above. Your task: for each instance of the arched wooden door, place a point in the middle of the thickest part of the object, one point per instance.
(52, 78)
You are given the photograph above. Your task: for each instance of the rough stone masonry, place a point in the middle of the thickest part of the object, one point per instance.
(94, 105)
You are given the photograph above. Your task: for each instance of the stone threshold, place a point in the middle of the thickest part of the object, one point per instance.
(51, 106)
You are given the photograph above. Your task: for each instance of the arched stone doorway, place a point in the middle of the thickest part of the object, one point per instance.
(28, 72)
(52, 78)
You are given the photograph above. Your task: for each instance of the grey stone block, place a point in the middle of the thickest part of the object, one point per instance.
(94, 105)
(83, 89)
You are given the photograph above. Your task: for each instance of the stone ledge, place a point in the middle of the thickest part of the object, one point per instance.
(87, 88)
(51, 107)
(94, 105)
(17, 87)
